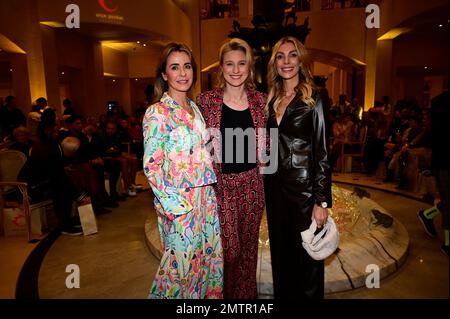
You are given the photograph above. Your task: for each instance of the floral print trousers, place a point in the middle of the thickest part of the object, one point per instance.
(191, 266)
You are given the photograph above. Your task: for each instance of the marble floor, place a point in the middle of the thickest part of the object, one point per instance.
(116, 262)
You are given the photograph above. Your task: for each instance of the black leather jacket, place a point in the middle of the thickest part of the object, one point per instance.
(303, 167)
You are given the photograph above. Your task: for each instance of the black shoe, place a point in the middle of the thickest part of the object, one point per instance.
(118, 198)
(401, 186)
(71, 231)
(428, 198)
(110, 204)
(427, 224)
(390, 176)
(444, 249)
(101, 211)
(75, 222)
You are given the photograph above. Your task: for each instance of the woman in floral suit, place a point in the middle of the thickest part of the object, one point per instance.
(180, 173)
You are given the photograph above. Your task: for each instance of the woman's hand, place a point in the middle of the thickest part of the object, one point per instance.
(320, 214)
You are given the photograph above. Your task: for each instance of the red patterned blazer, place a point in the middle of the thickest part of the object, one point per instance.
(210, 104)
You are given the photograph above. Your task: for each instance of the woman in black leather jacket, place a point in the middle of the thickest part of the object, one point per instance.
(301, 187)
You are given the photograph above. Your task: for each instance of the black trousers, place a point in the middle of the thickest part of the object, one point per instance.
(295, 274)
(443, 187)
(113, 168)
(61, 191)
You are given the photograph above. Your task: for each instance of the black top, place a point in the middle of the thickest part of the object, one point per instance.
(239, 160)
(302, 154)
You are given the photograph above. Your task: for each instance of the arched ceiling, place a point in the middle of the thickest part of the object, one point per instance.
(334, 59)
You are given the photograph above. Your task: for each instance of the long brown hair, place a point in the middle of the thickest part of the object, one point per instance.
(236, 44)
(161, 85)
(275, 82)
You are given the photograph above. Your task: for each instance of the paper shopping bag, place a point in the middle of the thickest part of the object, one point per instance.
(88, 220)
(14, 222)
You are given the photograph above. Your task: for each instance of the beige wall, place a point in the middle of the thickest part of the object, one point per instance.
(342, 31)
(213, 33)
(51, 67)
(143, 65)
(385, 71)
(393, 12)
(409, 62)
(422, 50)
(27, 36)
(115, 62)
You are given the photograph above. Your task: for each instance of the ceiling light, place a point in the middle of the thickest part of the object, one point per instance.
(393, 33)
(10, 70)
(440, 26)
(135, 79)
(53, 24)
(114, 80)
(138, 42)
(426, 68)
(62, 73)
(144, 44)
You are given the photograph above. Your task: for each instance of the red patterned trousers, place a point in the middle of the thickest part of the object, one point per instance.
(241, 202)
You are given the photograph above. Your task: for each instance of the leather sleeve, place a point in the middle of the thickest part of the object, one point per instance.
(322, 172)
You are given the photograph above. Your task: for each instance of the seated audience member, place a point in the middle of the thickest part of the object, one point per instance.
(377, 136)
(86, 167)
(342, 106)
(356, 110)
(33, 119)
(137, 145)
(393, 151)
(112, 152)
(10, 117)
(45, 175)
(420, 148)
(21, 140)
(342, 131)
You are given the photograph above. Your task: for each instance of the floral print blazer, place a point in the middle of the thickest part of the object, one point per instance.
(175, 154)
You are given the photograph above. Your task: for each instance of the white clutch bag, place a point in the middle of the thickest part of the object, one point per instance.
(323, 244)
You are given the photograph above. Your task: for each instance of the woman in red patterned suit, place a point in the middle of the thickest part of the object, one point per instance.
(235, 111)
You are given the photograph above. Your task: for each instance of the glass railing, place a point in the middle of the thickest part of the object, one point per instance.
(343, 4)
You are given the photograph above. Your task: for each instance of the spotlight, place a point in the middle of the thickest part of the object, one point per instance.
(144, 44)
(62, 73)
(138, 42)
(114, 80)
(440, 26)
(426, 68)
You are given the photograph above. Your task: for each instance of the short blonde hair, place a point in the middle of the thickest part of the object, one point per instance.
(237, 44)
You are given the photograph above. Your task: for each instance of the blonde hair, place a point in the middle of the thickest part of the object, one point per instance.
(275, 82)
(237, 44)
(161, 85)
